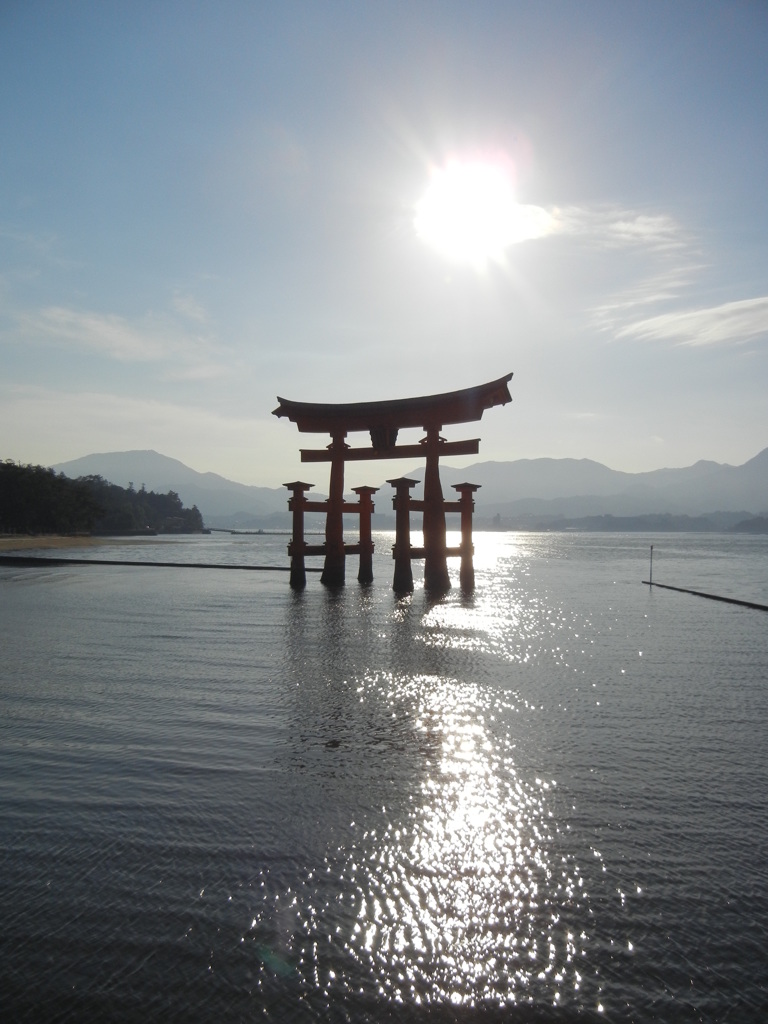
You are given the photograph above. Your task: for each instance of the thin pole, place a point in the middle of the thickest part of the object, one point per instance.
(696, 593)
(650, 578)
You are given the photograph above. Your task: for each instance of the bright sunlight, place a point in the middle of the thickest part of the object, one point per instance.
(469, 213)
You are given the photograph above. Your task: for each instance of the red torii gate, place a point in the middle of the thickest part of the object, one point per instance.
(383, 420)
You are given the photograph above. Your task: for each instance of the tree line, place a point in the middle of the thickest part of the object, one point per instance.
(35, 499)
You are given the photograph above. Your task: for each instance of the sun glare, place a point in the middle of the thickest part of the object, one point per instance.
(469, 213)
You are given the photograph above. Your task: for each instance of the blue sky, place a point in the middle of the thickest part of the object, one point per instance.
(204, 206)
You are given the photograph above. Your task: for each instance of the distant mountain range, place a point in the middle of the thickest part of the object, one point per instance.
(519, 493)
(581, 487)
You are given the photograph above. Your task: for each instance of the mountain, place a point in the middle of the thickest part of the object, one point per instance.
(581, 487)
(221, 501)
(545, 488)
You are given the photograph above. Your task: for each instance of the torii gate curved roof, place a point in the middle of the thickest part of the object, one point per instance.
(463, 406)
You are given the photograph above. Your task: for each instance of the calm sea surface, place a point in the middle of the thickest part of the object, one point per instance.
(224, 801)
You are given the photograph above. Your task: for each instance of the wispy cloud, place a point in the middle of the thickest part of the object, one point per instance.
(31, 248)
(664, 283)
(614, 228)
(149, 339)
(109, 335)
(661, 261)
(656, 232)
(189, 307)
(727, 324)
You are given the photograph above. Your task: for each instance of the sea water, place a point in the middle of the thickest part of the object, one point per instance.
(221, 800)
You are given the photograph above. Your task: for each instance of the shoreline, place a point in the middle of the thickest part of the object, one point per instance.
(23, 542)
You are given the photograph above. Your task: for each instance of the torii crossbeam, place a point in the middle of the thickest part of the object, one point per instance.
(383, 421)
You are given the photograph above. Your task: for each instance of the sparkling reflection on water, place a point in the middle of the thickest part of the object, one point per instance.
(463, 901)
(466, 893)
(222, 800)
(464, 896)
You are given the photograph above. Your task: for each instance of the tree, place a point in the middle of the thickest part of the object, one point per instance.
(34, 499)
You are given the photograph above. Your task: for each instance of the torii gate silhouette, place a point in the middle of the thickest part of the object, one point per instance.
(383, 420)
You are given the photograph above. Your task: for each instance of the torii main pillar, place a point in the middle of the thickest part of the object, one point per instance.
(334, 568)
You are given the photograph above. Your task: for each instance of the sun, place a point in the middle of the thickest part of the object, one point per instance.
(469, 213)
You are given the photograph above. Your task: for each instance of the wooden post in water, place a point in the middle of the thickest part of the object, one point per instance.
(650, 577)
(467, 570)
(365, 573)
(403, 581)
(297, 503)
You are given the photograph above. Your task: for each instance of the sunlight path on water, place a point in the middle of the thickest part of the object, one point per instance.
(465, 889)
(464, 899)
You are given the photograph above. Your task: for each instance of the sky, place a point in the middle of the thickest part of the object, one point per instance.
(206, 205)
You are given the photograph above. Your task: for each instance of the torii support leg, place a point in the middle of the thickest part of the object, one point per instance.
(403, 581)
(365, 573)
(297, 547)
(334, 569)
(435, 558)
(467, 571)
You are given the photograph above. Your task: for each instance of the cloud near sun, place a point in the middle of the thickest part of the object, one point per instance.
(469, 214)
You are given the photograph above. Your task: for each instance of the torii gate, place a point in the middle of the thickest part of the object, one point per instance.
(383, 420)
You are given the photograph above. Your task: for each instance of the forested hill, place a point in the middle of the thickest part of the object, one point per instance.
(34, 499)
